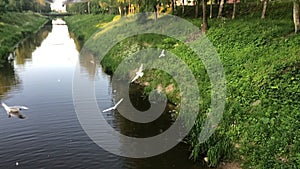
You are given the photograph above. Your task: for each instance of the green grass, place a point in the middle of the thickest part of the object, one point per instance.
(16, 26)
(83, 26)
(261, 58)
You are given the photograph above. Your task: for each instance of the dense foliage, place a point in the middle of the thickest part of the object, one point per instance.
(24, 5)
(15, 27)
(260, 125)
(217, 8)
(114, 6)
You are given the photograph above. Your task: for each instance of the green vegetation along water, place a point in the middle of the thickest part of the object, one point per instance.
(261, 58)
(16, 26)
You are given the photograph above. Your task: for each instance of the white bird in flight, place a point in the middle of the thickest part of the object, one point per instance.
(162, 54)
(114, 107)
(14, 110)
(138, 74)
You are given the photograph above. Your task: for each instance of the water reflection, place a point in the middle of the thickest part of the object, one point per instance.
(25, 49)
(176, 158)
(51, 136)
(8, 79)
(89, 64)
(77, 42)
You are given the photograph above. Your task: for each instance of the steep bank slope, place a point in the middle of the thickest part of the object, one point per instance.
(260, 125)
(16, 26)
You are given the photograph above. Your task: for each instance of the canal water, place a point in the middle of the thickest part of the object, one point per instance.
(40, 77)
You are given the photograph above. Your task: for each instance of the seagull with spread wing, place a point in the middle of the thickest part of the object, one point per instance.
(162, 54)
(138, 74)
(14, 110)
(114, 107)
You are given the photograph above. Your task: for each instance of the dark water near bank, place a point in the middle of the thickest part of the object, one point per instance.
(51, 136)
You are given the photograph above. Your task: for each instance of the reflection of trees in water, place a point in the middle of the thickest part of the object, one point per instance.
(87, 59)
(77, 42)
(25, 49)
(88, 62)
(8, 79)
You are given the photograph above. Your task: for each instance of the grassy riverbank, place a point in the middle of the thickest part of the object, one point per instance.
(83, 26)
(16, 26)
(261, 58)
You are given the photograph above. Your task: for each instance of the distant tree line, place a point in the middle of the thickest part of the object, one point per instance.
(124, 7)
(40, 6)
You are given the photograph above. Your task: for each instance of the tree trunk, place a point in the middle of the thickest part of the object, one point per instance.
(196, 9)
(204, 23)
(89, 7)
(211, 9)
(173, 6)
(234, 9)
(156, 11)
(296, 15)
(182, 7)
(220, 8)
(129, 8)
(263, 14)
(120, 10)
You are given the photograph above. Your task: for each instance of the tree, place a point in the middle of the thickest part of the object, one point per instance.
(3, 4)
(182, 6)
(204, 22)
(103, 4)
(123, 6)
(89, 6)
(156, 9)
(24, 5)
(173, 6)
(221, 8)
(234, 9)
(196, 8)
(108, 5)
(263, 14)
(120, 6)
(296, 15)
(211, 9)
(12, 5)
(94, 7)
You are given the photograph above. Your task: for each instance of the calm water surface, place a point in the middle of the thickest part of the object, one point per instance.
(40, 77)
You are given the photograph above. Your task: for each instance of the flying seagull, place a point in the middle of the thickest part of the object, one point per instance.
(14, 110)
(138, 74)
(114, 107)
(162, 54)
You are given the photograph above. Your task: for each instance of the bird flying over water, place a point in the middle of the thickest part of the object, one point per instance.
(138, 74)
(114, 107)
(14, 110)
(162, 54)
